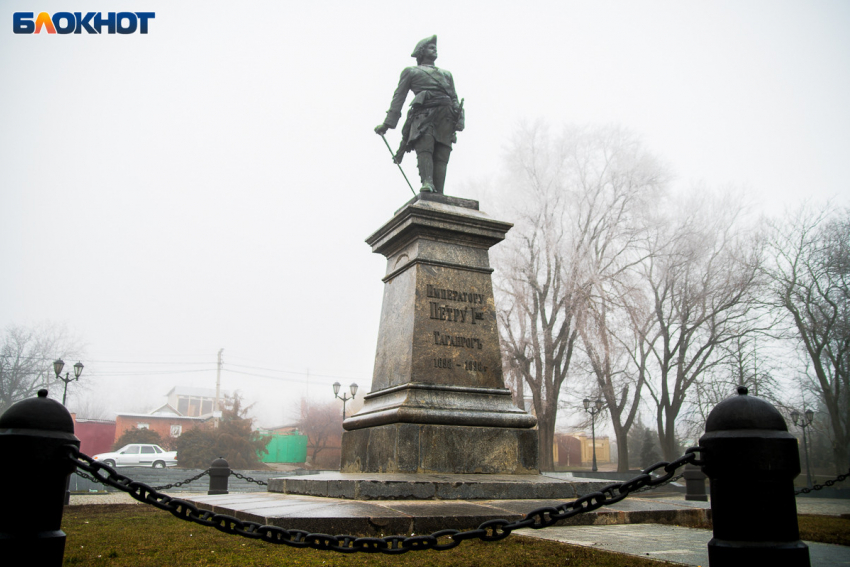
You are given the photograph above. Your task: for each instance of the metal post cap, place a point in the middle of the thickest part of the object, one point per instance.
(38, 413)
(220, 463)
(744, 412)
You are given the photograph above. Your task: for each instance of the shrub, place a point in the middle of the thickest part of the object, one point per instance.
(233, 439)
(147, 436)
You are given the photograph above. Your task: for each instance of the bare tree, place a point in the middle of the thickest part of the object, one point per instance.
(616, 351)
(617, 198)
(578, 196)
(741, 364)
(91, 406)
(322, 424)
(702, 278)
(26, 360)
(810, 273)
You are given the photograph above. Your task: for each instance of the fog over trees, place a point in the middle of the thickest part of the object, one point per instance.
(700, 275)
(809, 274)
(566, 273)
(26, 361)
(321, 422)
(617, 284)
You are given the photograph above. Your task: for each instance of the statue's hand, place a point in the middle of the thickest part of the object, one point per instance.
(381, 129)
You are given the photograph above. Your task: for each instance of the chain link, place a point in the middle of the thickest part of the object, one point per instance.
(647, 488)
(163, 487)
(182, 482)
(491, 530)
(839, 478)
(85, 476)
(249, 479)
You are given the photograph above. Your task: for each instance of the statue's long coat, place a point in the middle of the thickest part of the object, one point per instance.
(433, 111)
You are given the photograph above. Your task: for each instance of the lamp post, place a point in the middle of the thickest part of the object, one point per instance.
(804, 420)
(593, 408)
(58, 365)
(352, 388)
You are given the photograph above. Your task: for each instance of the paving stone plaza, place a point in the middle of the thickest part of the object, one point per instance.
(669, 543)
(612, 531)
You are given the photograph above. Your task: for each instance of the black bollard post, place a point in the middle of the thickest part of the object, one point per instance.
(219, 473)
(34, 439)
(694, 483)
(751, 461)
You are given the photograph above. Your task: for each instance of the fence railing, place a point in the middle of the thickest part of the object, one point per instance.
(747, 453)
(183, 480)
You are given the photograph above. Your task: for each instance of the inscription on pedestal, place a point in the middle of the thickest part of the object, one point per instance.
(447, 309)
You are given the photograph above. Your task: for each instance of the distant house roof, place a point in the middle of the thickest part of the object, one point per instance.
(162, 416)
(279, 427)
(165, 410)
(195, 392)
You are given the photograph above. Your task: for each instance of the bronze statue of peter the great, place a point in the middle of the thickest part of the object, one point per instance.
(433, 118)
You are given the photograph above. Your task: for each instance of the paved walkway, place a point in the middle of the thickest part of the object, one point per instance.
(669, 543)
(815, 506)
(382, 517)
(687, 545)
(824, 506)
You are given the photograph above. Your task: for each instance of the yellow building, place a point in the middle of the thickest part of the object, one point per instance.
(577, 450)
(603, 449)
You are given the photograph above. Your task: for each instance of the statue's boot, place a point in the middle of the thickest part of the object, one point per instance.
(440, 175)
(441, 163)
(425, 162)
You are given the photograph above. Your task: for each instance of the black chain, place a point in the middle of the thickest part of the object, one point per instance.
(85, 476)
(491, 530)
(249, 479)
(182, 482)
(646, 488)
(839, 478)
(163, 487)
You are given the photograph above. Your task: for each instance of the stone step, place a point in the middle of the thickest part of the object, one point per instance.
(388, 517)
(392, 486)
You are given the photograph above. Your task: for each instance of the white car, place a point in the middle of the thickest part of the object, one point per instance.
(139, 455)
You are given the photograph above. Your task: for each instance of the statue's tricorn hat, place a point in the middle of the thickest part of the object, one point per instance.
(420, 47)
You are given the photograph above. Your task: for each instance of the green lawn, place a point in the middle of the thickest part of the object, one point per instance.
(135, 535)
(138, 536)
(825, 529)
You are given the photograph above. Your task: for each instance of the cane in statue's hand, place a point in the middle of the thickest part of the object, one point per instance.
(381, 129)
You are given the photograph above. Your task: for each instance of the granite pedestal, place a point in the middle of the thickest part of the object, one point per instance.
(425, 448)
(438, 402)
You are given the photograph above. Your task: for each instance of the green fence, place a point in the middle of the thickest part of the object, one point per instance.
(286, 449)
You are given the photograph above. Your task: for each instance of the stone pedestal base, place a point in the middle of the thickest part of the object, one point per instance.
(450, 449)
(438, 403)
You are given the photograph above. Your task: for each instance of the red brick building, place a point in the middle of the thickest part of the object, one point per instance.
(165, 420)
(95, 435)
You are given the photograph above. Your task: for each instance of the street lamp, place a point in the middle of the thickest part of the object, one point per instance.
(593, 407)
(804, 420)
(58, 365)
(344, 397)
